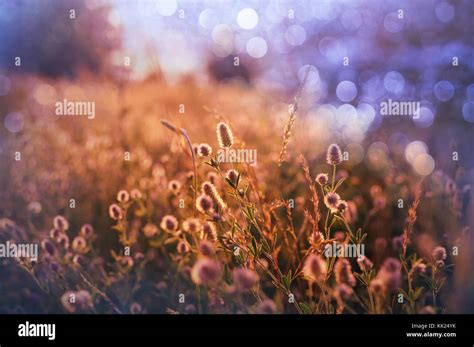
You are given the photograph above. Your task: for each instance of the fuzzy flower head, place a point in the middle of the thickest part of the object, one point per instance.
(342, 205)
(79, 245)
(150, 230)
(210, 190)
(136, 194)
(192, 225)
(244, 279)
(365, 263)
(204, 203)
(174, 186)
(332, 200)
(322, 179)
(123, 196)
(209, 231)
(48, 246)
(334, 154)
(390, 274)
(115, 212)
(204, 150)
(224, 135)
(343, 272)
(61, 223)
(377, 287)
(206, 248)
(439, 253)
(233, 177)
(87, 231)
(206, 272)
(315, 268)
(169, 224)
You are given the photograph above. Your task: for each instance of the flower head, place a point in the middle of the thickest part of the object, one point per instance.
(87, 231)
(115, 212)
(204, 203)
(244, 279)
(204, 150)
(224, 135)
(315, 268)
(206, 272)
(332, 200)
(233, 177)
(174, 186)
(334, 154)
(150, 230)
(439, 253)
(210, 190)
(169, 223)
(192, 225)
(61, 223)
(343, 272)
(322, 179)
(123, 196)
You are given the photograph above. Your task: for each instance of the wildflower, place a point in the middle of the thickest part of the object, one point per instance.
(136, 308)
(192, 225)
(315, 268)
(205, 271)
(390, 274)
(244, 279)
(61, 223)
(174, 186)
(34, 207)
(343, 272)
(334, 154)
(224, 135)
(83, 299)
(204, 150)
(182, 247)
(123, 196)
(54, 233)
(79, 245)
(150, 230)
(419, 268)
(340, 236)
(87, 231)
(210, 190)
(364, 263)
(331, 200)
(48, 246)
(126, 261)
(439, 264)
(439, 253)
(377, 287)
(204, 203)
(63, 241)
(206, 248)
(79, 260)
(233, 177)
(322, 179)
(169, 223)
(342, 293)
(342, 205)
(212, 177)
(115, 212)
(397, 243)
(136, 194)
(209, 231)
(267, 306)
